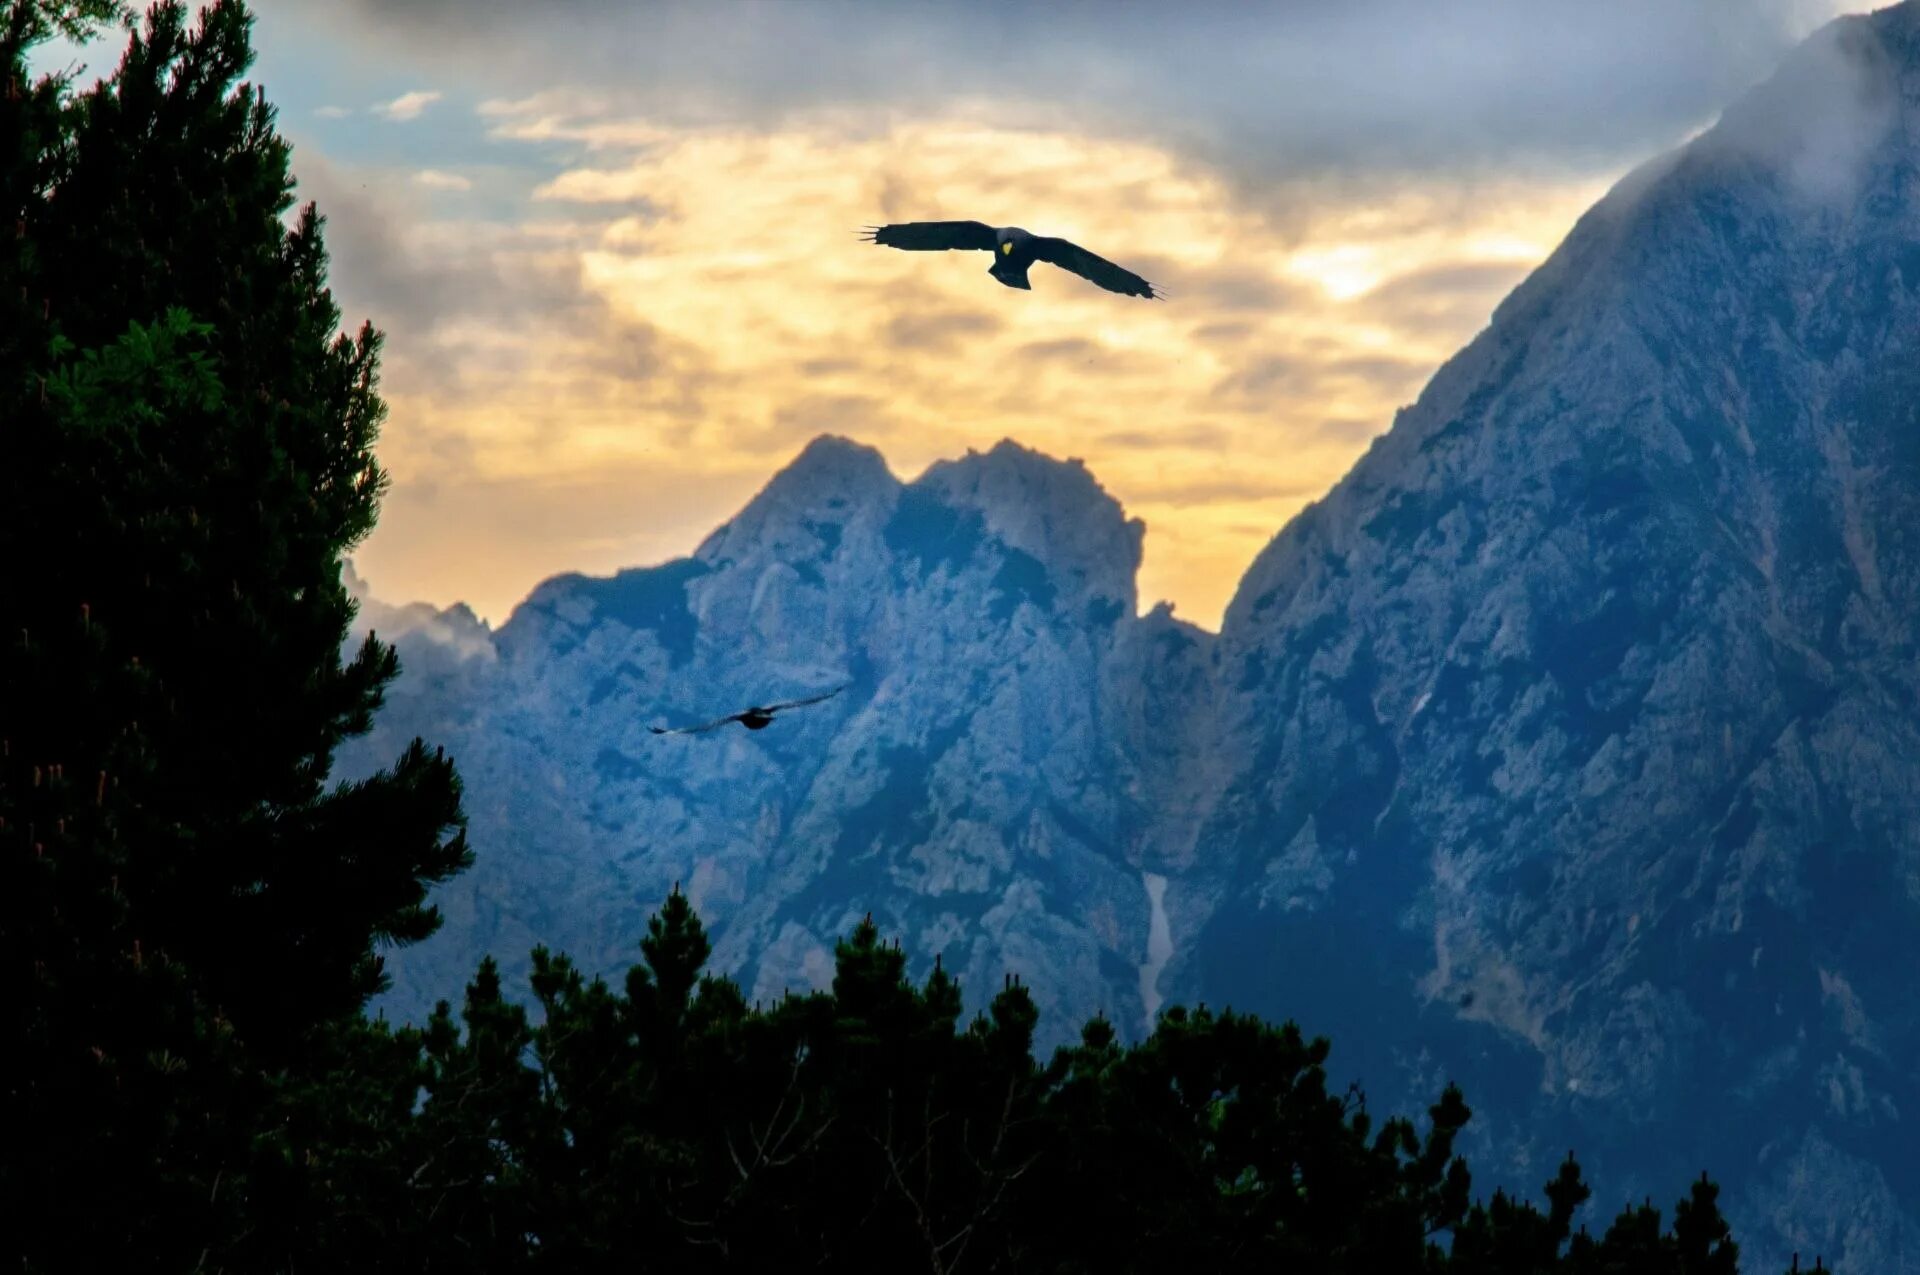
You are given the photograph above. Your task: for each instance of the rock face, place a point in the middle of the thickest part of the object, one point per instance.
(1570, 747)
(1574, 732)
(978, 787)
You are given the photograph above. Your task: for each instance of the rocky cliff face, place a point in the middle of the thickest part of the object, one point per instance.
(1570, 747)
(981, 786)
(1575, 730)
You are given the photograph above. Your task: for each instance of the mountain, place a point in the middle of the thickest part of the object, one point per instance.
(1574, 733)
(984, 787)
(1569, 747)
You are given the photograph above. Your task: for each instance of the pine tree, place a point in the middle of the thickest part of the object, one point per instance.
(1635, 1242)
(480, 1136)
(671, 1126)
(1702, 1239)
(187, 910)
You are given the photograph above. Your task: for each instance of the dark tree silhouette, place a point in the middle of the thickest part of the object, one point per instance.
(674, 1126)
(185, 453)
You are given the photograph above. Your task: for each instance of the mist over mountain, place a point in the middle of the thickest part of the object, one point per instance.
(1570, 747)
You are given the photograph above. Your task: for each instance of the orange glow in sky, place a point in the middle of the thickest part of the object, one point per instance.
(728, 313)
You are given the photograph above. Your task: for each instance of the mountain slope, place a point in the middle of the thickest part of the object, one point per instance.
(1583, 710)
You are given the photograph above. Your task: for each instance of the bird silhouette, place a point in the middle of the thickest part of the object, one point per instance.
(755, 718)
(1013, 251)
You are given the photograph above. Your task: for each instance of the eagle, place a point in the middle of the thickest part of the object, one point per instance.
(1013, 251)
(755, 718)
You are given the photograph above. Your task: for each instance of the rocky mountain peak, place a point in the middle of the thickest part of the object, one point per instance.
(1052, 510)
(830, 467)
(834, 481)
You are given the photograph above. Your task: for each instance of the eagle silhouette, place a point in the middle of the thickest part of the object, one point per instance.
(755, 718)
(1013, 251)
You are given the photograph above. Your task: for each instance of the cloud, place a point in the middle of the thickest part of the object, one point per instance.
(811, 415)
(529, 527)
(379, 267)
(1267, 376)
(1223, 489)
(333, 112)
(484, 311)
(1231, 332)
(1453, 278)
(457, 635)
(1831, 103)
(1310, 377)
(408, 105)
(652, 298)
(1455, 296)
(1194, 437)
(1346, 430)
(588, 185)
(832, 366)
(938, 331)
(551, 347)
(1237, 286)
(1069, 349)
(434, 179)
(1314, 87)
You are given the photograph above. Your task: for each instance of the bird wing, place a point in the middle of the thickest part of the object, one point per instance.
(801, 703)
(1092, 267)
(695, 730)
(933, 236)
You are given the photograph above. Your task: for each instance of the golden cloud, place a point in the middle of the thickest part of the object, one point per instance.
(691, 305)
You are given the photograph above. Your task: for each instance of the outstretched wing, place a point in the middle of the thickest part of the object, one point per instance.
(932, 236)
(1092, 267)
(695, 730)
(802, 703)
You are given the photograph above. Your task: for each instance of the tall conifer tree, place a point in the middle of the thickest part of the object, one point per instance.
(185, 453)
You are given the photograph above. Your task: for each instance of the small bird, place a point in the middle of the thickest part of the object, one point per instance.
(753, 719)
(1013, 251)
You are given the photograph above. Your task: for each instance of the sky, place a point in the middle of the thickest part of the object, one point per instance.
(612, 242)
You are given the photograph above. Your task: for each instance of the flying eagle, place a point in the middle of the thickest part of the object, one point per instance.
(753, 719)
(1013, 251)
